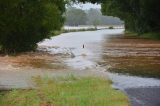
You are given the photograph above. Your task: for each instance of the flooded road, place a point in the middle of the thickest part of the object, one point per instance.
(132, 64)
(72, 44)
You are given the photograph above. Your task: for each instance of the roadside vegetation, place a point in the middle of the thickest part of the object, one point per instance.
(149, 35)
(53, 33)
(69, 91)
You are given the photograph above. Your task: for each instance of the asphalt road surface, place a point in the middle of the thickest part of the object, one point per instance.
(144, 96)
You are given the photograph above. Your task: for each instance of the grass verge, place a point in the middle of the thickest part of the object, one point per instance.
(149, 35)
(70, 91)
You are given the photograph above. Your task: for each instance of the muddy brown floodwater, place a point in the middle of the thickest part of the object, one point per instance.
(131, 55)
(34, 60)
(17, 71)
(134, 57)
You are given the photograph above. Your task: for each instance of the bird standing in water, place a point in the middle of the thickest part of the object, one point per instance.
(83, 46)
(84, 52)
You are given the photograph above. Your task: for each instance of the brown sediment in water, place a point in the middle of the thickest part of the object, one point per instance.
(132, 55)
(30, 60)
(17, 71)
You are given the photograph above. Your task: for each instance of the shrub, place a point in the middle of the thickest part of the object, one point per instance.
(111, 27)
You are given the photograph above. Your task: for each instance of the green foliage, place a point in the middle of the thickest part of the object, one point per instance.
(151, 35)
(111, 27)
(69, 91)
(75, 17)
(95, 18)
(23, 23)
(92, 16)
(140, 16)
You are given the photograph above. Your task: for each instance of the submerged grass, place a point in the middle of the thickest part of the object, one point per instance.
(144, 66)
(70, 91)
(71, 30)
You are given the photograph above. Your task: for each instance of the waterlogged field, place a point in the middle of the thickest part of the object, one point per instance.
(131, 55)
(31, 60)
(69, 91)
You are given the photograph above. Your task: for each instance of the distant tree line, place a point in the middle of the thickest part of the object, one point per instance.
(140, 16)
(75, 17)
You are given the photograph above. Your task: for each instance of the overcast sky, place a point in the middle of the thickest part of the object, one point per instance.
(87, 6)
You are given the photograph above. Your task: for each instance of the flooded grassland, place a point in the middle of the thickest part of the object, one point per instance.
(130, 55)
(17, 71)
(31, 60)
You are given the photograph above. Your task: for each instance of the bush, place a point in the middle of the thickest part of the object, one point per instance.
(24, 23)
(111, 27)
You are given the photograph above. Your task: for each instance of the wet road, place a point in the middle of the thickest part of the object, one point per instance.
(144, 96)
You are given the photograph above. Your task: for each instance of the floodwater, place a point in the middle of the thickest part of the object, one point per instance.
(126, 60)
(72, 44)
(132, 64)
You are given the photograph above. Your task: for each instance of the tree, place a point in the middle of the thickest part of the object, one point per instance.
(109, 20)
(94, 17)
(140, 16)
(24, 23)
(75, 17)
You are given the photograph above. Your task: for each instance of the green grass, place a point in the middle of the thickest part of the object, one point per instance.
(70, 91)
(131, 34)
(149, 35)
